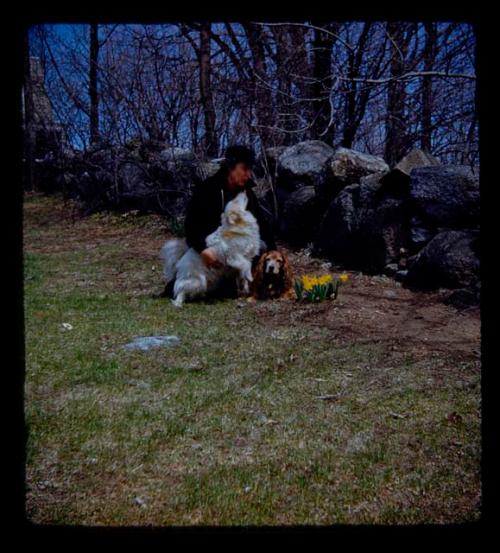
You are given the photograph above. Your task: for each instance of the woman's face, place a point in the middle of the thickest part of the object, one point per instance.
(240, 174)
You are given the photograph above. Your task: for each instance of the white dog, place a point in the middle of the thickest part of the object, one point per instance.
(236, 242)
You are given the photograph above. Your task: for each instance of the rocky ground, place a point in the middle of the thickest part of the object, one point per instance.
(378, 309)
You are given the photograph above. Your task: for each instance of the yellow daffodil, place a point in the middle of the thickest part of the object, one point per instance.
(344, 277)
(310, 281)
(318, 288)
(325, 279)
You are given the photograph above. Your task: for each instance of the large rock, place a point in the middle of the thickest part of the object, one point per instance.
(338, 226)
(446, 196)
(305, 163)
(397, 181)
(137, 176)
(274, 202)
(300, 215)
(415, 158)
(419, 237)
(92, 190)
(177, 155)
(363, 229)
(93, 178)
(102, 157)
(421, 233)
(462, 298)
(134, 179)
(349, 165)
(449, 260)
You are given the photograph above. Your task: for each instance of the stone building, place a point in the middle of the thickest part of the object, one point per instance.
(49, 135)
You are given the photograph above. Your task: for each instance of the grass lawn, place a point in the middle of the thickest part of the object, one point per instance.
(227, 427)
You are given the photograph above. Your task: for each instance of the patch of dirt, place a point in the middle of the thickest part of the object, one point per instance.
(377, 309)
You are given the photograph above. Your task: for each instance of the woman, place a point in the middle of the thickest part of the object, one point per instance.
(208, 202)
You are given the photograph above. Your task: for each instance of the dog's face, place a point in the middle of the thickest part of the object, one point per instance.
(272, 276)
(274, 263)
(234, 212)
(233, 217)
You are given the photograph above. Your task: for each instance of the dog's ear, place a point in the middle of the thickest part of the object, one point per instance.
(287, 273)
(258, 276)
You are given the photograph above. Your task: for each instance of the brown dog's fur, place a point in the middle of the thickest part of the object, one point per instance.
(271, 286)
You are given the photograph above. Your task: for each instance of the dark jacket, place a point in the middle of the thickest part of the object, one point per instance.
(208, 202)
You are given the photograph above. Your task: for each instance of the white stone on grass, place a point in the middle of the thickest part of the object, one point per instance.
(145, 343)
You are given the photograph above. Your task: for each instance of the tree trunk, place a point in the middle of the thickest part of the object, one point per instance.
(468, 157)
(283, 105)
(302, 68)
(211, 143)
(429, 57)
(396, 97)
(29, 130)
(93, 93)
(355, 101)
(322, 73)
(261, 94)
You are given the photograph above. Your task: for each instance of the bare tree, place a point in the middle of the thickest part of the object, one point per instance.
(283, 62)
(206, 91)
(261, 96)
(324, 40)
(93, 92)
(395, 143)
(427, 100)
(379, 87)
(29, 131)
(356, 100)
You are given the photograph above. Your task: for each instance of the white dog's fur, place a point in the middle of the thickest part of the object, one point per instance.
(235, 242)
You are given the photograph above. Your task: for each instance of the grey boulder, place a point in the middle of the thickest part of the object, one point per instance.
(363, 229)
(446, 196)
(350, 165)
(449, 260)
(300, 215)
(397, 181)
(304, 163)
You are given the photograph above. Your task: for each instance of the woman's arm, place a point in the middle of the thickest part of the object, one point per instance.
(195, 217)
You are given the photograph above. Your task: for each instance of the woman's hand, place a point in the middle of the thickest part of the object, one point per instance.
(209, 258)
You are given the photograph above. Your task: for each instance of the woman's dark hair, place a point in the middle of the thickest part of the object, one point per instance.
(239, 154)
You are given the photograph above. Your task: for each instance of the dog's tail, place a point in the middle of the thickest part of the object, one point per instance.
(170, 253)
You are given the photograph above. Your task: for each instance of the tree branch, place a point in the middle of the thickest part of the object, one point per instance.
(413, 75)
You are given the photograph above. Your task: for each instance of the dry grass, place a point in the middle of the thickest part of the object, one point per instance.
(228, 428)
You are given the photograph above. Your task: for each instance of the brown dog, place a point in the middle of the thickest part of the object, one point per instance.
(272, 276)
